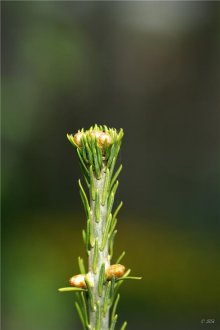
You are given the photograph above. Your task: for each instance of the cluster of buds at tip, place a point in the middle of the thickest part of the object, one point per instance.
(116, 270)
(78, 281)
(101, 137)
(98, 146)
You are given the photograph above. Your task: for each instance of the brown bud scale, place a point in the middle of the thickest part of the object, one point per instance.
(77, 138)
(104, 138)
(116, 270)
(78, 281)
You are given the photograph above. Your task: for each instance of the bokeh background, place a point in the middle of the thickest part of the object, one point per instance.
(153, 69)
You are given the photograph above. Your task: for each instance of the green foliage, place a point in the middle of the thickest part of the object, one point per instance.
(106, 298)
(70, 288)
(90, 294)
(120, 257)
(124, 326)
(95, 256)
(81, 266)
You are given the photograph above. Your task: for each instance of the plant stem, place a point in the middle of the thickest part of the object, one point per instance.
(97, 149)
(100, 255)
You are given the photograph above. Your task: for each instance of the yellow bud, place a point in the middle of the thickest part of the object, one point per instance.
(104, 138)
(116, 270)
(77, 138)
(78, 281)
(96, 134)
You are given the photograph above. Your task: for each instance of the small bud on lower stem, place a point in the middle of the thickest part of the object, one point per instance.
(79, 280)
(116, 270)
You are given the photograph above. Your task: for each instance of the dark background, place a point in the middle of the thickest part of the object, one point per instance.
(151, 68)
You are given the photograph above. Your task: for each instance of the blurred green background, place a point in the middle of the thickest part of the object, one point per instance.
(153, 69)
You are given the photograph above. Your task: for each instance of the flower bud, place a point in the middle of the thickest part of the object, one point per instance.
(77, 138)
(78, 281)
(95, 134)
(116, 270)
(104, 138)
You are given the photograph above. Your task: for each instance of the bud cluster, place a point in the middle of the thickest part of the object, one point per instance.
(96, 137)
(97, 147)
(101, 137)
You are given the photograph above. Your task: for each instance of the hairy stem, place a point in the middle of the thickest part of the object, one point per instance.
(98, 256)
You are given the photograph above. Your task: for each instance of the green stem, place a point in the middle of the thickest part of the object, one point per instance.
(97, 256)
